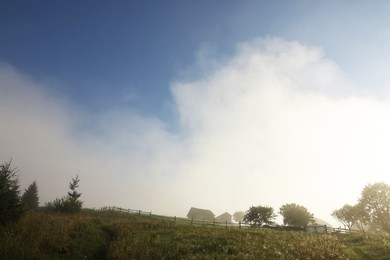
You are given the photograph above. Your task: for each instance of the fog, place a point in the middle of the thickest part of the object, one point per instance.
(275, 123)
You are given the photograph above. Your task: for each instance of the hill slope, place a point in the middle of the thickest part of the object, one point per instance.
(108, 235)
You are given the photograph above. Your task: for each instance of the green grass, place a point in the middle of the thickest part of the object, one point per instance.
(48, 236)
(367, 246)
(110, 235)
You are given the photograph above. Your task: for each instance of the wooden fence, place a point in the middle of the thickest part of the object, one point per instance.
(174, 219)
(340, 230)
(320, 229)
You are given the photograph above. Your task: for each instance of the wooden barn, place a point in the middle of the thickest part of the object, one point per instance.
(225, 217)
(200, 214)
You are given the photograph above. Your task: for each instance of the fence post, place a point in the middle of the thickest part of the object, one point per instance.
(139, 212)
(150, 214)
(239, 224)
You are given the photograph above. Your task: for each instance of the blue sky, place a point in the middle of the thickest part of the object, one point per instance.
(159, 96)
(98, 51)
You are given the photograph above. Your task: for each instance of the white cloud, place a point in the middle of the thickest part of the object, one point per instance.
(116, 156)
(278, 124)
(275, 123)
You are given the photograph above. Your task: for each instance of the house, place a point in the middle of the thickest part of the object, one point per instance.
(225, 217)
(200, 214)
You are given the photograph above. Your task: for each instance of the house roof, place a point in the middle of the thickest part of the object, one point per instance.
(224, 215)
(200, 212)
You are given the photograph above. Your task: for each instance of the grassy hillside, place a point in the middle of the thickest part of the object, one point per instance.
(108, 235)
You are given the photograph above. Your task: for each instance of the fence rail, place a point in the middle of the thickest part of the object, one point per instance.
(174, 219)
(340, 230)
(322, 229)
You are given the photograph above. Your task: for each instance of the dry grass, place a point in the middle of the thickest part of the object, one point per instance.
(108, 235)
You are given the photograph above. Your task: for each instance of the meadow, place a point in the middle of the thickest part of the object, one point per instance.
(113, 235)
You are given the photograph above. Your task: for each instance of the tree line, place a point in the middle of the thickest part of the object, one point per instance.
(13, 205)
(294, 215)
(371, 212)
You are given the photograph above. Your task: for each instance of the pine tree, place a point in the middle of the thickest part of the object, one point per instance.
(10, 205)
(73, 202)
(73, 194)
(70, 203)
(30, 196)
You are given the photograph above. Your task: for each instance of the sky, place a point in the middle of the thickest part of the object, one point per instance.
(166, 105)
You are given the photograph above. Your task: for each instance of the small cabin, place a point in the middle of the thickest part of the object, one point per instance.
(200, 214)
(225, 217)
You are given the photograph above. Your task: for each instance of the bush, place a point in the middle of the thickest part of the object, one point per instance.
(65, 205)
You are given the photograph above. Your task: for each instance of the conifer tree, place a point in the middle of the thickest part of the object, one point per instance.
(73, 185)
(70, 203)
(74, 203)
(30, 196)
(10, 205)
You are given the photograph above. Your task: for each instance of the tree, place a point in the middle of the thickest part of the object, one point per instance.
(70, 203)
(73, 195)
(238, 216)
(351, 216)
(30, 196)
(345, 216)
(295, 215)
(74, 204)
(259, 215)
(375, 199)
(361, 215)
(10, 205)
